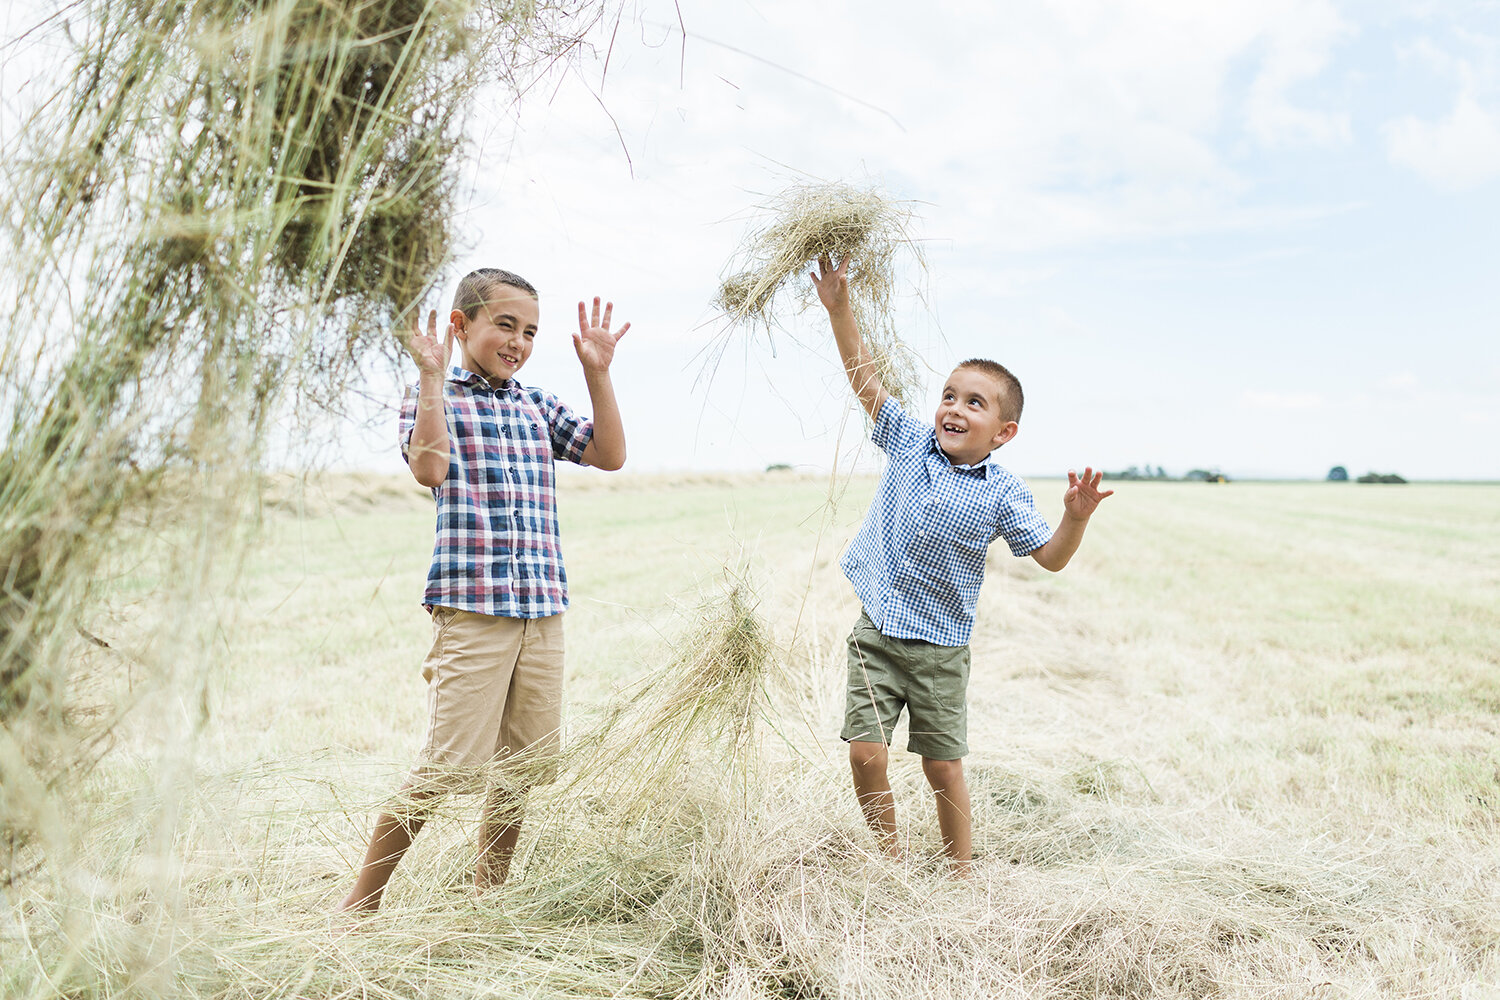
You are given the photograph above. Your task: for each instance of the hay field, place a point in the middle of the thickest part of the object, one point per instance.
(1246, 745)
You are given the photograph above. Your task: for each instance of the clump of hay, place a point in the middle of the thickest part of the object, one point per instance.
(811, 221)
(700, 709)
(220, 207)
(838, 221)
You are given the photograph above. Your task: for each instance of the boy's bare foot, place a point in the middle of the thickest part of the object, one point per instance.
(349, 916)
(961, 869)
(491, 876)
(357, 904)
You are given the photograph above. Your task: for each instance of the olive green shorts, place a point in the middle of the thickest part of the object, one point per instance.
(929, 681)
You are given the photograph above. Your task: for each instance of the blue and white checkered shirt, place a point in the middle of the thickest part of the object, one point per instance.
(918, 560)
(497, 550)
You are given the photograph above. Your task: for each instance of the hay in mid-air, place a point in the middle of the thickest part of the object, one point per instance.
(837, 221)
(223, 209)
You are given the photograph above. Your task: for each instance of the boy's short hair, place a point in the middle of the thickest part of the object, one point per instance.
(479, 286)
(1011, 396)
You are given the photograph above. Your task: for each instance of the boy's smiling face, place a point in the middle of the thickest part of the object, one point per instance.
(971, 419)
(498, 340)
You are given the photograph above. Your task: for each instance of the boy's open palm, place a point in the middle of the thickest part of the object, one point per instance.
(831, 283)
(1083, 496)
(430, 355)
(593, 341)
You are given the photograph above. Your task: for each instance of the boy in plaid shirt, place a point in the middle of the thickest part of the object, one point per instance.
(917, 564)
(496, 588)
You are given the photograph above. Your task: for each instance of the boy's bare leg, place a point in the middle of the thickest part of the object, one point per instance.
(952, 794)
(873, 791)
(388, 843)
(499, 829)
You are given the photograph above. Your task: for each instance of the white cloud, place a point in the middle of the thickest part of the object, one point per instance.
(1026, 125)
(1458, 152)
(1283, 400)
(1298, 39)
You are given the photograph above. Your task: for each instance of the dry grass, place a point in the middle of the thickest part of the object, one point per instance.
(223, 207)
(838, 221)
(1187, 782)
(705, 703)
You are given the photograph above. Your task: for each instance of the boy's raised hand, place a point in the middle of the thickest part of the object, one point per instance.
(431, 357)
(1082, 497)
(832, 283)
(593, 341)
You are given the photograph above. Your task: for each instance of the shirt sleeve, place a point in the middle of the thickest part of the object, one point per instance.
(408, 421)
(569, 432)
(894, 428)
(1023, 529)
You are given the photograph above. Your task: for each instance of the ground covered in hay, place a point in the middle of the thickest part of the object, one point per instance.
(1245, 746)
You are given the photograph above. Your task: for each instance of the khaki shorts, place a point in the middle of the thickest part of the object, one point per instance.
(494, 693)
(929, 681)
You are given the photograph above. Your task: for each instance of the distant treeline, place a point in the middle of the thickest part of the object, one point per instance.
(1160, 474)
(1156, 473)
(1339, 474)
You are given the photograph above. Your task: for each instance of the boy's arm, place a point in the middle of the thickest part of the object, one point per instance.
(1080, 500)
(596, 350)
(859, 363)
(428, 452)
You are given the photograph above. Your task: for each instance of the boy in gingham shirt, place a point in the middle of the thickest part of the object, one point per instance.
(917, 564)
(485, 445)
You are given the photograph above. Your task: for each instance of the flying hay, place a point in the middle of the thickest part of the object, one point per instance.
(698, 711)
(838, 221)
(260, 192)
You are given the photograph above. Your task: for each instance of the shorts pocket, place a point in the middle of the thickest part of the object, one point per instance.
(949, 678)
(442, 618)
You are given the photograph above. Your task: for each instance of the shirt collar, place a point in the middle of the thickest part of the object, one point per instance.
(980, 469)
(474, 380)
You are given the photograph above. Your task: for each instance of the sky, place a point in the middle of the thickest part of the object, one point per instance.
(1256, 236)
(1259, 236)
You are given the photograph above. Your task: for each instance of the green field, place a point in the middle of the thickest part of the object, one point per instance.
(1246, 745)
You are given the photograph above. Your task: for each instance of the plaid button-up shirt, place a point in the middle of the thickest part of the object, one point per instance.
(918, 560)
(497, 550)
